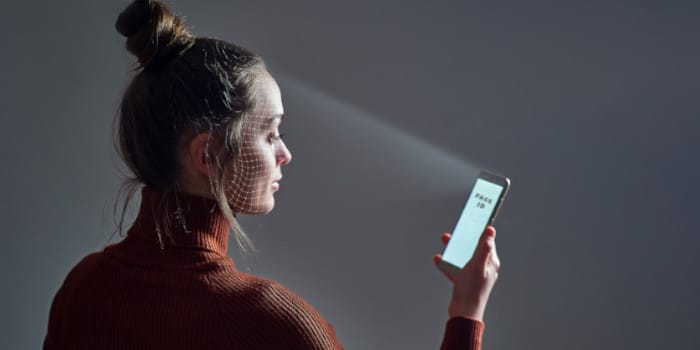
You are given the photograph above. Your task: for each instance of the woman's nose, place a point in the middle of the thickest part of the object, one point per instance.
(284, 156)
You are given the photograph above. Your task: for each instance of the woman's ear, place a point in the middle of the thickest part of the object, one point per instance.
(198, 153)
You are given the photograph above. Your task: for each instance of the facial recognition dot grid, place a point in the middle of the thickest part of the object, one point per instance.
(254, 166)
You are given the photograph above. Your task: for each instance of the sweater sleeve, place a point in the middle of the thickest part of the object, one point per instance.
(463, 334)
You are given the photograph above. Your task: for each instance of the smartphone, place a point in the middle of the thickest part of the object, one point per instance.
(480, 211)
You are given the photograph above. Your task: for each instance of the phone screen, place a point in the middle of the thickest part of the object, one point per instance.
(471, 224)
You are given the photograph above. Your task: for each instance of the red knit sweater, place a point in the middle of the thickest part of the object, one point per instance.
(133, 295)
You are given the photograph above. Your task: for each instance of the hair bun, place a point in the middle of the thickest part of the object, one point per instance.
(133, 18)
(154, 33)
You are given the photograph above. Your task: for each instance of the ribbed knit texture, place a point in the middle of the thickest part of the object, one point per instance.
(189, 295)
(462, 333)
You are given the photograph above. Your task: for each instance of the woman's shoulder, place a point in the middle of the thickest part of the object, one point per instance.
(86, 267)
(81, 278)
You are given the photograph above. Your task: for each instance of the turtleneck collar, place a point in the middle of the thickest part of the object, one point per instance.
(195, 222)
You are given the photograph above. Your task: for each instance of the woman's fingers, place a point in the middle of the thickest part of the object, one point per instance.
(437, 259)
(490, 231)
(445, 238)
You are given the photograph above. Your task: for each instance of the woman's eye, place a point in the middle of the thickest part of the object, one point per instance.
(275, 137)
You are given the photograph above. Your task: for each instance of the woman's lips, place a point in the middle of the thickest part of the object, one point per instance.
(276, 183)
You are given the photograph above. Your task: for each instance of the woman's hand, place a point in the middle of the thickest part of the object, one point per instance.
(473, 284)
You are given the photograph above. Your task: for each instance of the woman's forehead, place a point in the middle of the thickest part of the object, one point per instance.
(268, 96)
(263, 120)
(267, 108)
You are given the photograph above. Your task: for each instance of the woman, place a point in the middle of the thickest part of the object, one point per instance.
(199, 129)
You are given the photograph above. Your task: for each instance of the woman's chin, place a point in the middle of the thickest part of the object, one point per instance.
(264, 208)
(269, 206)
(258, 207)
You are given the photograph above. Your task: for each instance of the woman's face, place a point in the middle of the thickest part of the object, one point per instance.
(256, 172)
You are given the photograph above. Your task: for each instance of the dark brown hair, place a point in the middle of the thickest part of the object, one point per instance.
(183, 85)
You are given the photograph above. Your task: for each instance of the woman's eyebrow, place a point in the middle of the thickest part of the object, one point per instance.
(271, 120)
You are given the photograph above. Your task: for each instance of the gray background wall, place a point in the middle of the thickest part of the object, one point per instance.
(591, 107)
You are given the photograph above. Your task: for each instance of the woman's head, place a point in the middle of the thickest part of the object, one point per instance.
(255, 172)
(195, 116)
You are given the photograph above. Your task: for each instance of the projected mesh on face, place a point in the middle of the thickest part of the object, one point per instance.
(257, 167)
(251, 178)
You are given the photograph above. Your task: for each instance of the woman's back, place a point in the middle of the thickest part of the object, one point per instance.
(188, 296)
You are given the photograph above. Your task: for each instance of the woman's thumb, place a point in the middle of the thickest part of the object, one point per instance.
(487, 242)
